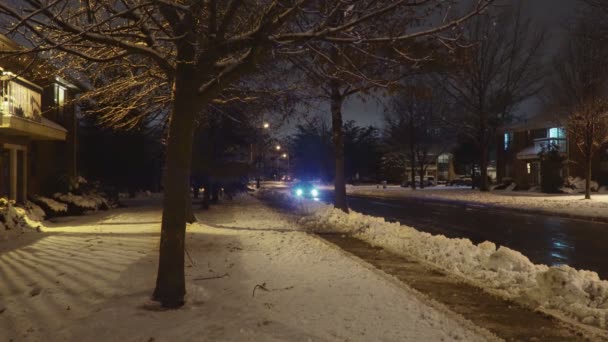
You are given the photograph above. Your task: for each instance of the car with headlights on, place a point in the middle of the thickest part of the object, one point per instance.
(305, 190)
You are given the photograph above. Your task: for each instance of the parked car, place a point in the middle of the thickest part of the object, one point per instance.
(461, 181)
(426, 181)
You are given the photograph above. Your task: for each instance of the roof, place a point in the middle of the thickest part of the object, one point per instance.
(530, 152)
(539, 121)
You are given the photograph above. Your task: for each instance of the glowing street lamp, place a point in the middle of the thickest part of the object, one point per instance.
(278, 147)
(266, 125)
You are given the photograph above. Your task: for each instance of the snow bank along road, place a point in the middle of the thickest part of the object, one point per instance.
(544, 239)
(251, 276)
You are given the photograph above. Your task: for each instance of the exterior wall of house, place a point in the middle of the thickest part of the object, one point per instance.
(37, 137)
(526, 173)
(54, 163)
(507, 164)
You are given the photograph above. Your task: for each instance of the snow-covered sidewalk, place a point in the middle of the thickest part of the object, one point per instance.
(568, 205)
(251, 276)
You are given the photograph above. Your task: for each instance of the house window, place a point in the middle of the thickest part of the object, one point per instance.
(60, 99)
(557, 132)
(508, 140)
(557, 138)
(529, 168)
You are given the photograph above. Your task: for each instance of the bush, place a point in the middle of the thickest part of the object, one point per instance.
(550, 166)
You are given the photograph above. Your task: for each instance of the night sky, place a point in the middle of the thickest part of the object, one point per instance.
(550, 15)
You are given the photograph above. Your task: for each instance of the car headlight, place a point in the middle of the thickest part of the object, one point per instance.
(314, 192)
(299, 192)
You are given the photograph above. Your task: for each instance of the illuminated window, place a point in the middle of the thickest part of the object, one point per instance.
(557, 132)
(59, 99)
(508, 140)
(529, 168)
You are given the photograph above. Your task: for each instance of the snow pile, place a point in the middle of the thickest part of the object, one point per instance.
(15, 221)
(576, 185)
(577, 294)
(33, 211)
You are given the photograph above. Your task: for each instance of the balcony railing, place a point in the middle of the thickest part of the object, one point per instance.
(546, 144)
(19, 97)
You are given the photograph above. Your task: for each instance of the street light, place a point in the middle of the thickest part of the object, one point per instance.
(286, 156)
(266, 125)
(278, 147)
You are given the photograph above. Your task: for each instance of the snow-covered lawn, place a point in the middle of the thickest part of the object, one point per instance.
(88, 278)
(565, 204)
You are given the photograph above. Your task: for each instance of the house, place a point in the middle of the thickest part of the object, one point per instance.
(37, 128)
(519, 147)
(439, 167)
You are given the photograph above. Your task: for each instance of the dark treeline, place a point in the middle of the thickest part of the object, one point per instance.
(313, 152)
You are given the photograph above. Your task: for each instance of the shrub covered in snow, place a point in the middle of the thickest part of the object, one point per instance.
(577, 184)
(578, 294)
(19, 218)
(78, 204)
(50, 206)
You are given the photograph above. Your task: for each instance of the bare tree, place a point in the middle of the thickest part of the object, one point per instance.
(414, 125)
(500, 69)
(339, 72)
(580, 91)
(187, 55)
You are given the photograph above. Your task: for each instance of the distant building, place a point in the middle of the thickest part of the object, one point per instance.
(519, 147)
(37, 129)
(440, 167)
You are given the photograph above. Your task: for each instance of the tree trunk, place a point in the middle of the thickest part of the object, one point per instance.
(421, 171)
(170, 282)
(413, 172)
(338, 139)
(206, 195)
(190, 218)
(483, 166)
(473, 176)
(588, 178)
(215, 193)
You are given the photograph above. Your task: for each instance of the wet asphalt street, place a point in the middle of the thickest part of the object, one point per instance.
(543, 239)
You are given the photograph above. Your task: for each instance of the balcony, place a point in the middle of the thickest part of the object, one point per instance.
(20, 110)
(543, 144)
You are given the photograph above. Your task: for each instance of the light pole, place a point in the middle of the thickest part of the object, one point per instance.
(278, 156)
(265, 126)
(286, 156)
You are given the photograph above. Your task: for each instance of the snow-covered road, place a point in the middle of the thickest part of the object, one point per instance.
(88, 278)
